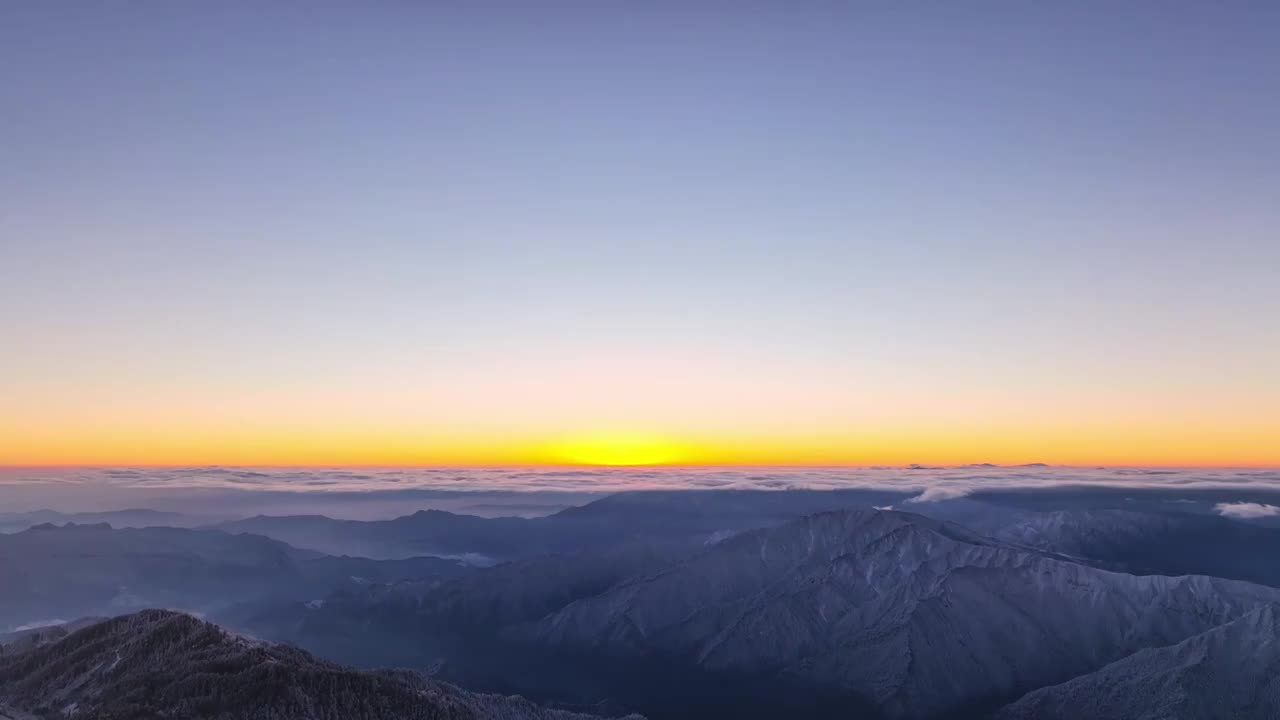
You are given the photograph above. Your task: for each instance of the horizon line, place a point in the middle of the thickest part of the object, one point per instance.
(669, 466)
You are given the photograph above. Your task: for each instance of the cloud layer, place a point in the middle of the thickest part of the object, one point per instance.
(934, 483)
(938, 493)
(388, 492)
(1246, 510)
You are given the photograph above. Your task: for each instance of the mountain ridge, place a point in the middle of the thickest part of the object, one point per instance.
(851, 599)
(158, 663)
(68, 571)
(1230, 672)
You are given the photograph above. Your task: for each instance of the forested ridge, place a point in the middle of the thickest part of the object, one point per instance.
(163, 664)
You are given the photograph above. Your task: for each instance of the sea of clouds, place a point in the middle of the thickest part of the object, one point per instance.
(935, 482)
(382, 492)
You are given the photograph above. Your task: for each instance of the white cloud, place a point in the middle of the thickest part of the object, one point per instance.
(940, 492)
(37, 624)
(381, 493)
(1247, 510)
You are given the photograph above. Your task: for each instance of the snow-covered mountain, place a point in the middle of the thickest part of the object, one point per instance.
(857, 611)
(1167, 543)
(915, 615)
(1231, 672)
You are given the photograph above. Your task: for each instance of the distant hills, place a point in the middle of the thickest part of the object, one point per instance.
(54, 573)
(135, 518)
(627, 517)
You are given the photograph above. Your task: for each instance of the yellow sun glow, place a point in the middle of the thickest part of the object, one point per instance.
(617, 449)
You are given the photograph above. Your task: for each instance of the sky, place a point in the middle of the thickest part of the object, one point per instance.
(627, 233)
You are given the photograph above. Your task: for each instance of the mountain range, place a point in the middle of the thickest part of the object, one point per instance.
(135, 518)
(690, 516)
(717, 604)
(918, 617)
(1150, 543)
(53, 572)
(896, 614)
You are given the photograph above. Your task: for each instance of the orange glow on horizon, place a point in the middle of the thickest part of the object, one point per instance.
(1182, 447)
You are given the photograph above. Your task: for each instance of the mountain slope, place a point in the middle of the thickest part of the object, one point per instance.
(427, 532)
(1231, 672)
(1155, 543)
(915, 615)
(421, 622)
(50, 572)
(164, 664)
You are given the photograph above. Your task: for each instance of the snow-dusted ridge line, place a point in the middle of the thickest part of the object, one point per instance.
(826, 598)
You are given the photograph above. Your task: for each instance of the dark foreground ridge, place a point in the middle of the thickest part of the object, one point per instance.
(158, 663)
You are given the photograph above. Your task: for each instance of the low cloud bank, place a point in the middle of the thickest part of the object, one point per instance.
(382, 493)
(929, 484)
(940, 493)
(37, 624)
(1246, 510)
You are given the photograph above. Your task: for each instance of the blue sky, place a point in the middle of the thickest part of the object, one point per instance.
(868, 207)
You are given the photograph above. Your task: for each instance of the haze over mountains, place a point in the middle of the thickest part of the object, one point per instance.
(51, 572)
(669, 515)
(716, 603)
(129, 518)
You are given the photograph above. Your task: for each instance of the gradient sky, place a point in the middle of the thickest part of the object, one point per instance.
(431, 232)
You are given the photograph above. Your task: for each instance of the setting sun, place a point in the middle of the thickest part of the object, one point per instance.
(618, 450)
